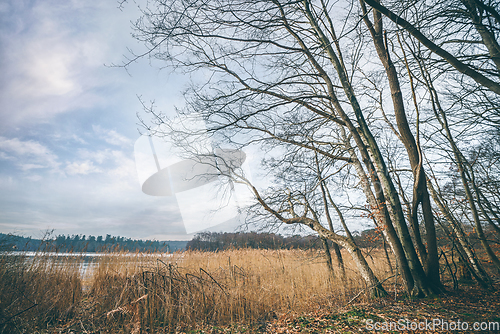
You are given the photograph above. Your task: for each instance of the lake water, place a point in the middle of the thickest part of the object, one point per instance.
(85, 262)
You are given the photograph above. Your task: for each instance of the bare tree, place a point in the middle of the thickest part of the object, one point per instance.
(413, 148)
(294, 78)
(464, 34)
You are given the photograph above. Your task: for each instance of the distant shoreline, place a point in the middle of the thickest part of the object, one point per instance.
(83, 254)
(87, 244)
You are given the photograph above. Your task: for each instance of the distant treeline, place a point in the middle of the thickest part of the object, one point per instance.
(204, 241)
(82, 243)
(213, 241)
(369, 238)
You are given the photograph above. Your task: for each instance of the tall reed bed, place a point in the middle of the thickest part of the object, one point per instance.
(37, 292)
(203, 288)
(154, 293)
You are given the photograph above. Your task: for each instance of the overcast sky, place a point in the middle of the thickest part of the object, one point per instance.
(68, 122)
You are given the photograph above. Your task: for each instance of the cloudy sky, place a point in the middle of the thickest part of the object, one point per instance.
(68, 122)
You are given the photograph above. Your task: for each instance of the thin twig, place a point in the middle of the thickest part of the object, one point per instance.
(15, 315)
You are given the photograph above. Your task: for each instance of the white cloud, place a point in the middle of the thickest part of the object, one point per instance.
(97, 156)
(111, 136)
(34, 178)
(23, 147)
(125, 167)
(29, 153)
(26, 167)
(78, 139)
(52, 57)
(114, 163)
(5, 156)
(84, 168)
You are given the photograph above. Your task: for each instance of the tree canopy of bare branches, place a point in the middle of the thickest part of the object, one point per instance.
(359, 109)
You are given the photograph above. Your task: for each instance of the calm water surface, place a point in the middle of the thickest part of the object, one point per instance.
(86, 262)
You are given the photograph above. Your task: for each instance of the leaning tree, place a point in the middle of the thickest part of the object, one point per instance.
(336, 101)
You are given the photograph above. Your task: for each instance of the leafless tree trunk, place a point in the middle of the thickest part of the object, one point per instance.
(290, 77)
(420, 192)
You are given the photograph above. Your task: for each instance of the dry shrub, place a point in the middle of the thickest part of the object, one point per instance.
(36, 292)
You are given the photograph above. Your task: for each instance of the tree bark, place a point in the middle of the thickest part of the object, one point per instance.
(487, 36)
(462, 165)
(421, 284)
(379, 208)
(420, 193)
(328, 258)
(476, 266)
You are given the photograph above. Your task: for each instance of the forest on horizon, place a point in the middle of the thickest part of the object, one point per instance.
(203, 241)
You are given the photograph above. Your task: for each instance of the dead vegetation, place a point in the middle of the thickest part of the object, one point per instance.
(186, 292)
(37, 293)
(205, 288)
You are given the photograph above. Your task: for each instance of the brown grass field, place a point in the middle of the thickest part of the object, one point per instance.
(234, 291)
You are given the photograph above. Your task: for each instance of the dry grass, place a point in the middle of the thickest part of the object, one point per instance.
(37, 292)
(132, 294)
(206, 288)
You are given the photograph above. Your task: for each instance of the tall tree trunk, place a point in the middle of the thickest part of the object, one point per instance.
(328, 258)
(420, 193)
(340, 261)
(476, 267)
(338, 254)
(376, 288)
(422, 285)
(485, 202)
(480, 197)
(378, 207)
(387, 257)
